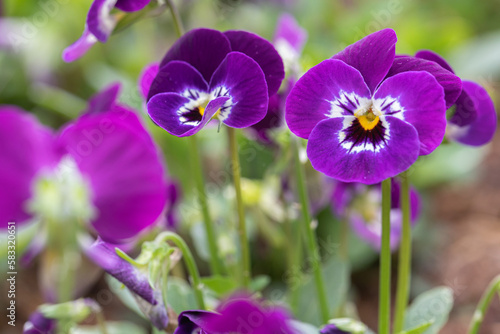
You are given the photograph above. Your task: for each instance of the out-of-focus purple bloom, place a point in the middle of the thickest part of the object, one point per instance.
(332, 329)
(207, 74)
(362, 126)
(474, 121)
(104, 255)
(39, 324)
(174, 195)
(361, 205)
(236, 315)
(100, 24)
(107, 148)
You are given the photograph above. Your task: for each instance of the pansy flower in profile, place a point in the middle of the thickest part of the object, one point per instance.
(208, 74)
(102, 169)
(236, 315)
(361, 206)
(99, 25)
(360, 125)
(474, 120)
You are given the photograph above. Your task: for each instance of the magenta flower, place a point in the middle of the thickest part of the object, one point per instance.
(362, 126)
(39, 324)
(207, 74)
(474, 121)
(361, 205)
(102, 168)
(236, 315)
(100, 24)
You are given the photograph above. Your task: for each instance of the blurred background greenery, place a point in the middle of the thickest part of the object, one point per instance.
(33, 76)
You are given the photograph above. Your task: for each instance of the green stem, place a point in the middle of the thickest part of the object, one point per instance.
(101, 322)
(242, 231)
(485, 301)
(215, 264)
(190, 264)
(312, 248)
(176, 17)
(385, 261)
(404, 262)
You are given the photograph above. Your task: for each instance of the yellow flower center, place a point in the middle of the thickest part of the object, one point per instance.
(368, 120)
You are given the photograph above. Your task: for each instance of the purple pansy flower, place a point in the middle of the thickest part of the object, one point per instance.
(361, 205)
(39, 324)
(100, 24)
(207, 74)
(474, 121)
(236, 315)
(332, 329)
(362, 126)
(151, 301)
(102, 168)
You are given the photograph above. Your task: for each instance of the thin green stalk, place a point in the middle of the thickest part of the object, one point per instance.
(215, 264)
(312, 248)
(190, 264)
(404, 262)
(101, 322)
(483, 305)
(242, 231)
(384, 315)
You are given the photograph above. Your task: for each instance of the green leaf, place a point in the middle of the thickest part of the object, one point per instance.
(432, 306)
(350, 325)
(259, 283)
(418, 330)
(219, 284)
(180, 295)
(303, 328)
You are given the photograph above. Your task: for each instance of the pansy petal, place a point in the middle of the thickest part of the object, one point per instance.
(178, 77)
(131, 5)
(329, 89)
(451, 84)
(263, 52)
(372, 56)
(432, 56)
(147, 77)
(203, 48)
(474, 99)
(190, 321)
(124, 170)
(27, 148)
(240, 78)
(80, 47)
(416, 98)
(289, 30)
(100, 22)
(104, 100)
(360, 160)
(167, 109)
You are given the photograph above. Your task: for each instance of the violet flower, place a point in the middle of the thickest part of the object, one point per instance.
(474, 121)
(361, 205)
(100, 24)
(236, 315)
(102, 169)
(39, 324)
(332, 329)
(362, 126)
(207, 74)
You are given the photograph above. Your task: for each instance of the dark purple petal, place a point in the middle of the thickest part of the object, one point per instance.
(416, 98)
(26, 148)
(432, 56)
(124, 168)
(263, 52)
(190, 321)
(244, 315)
(146, 78)
(39, 324)
(178, 77)
(451, 84)
(332, 329)
(80, 47)
(203, 48)
(131, 5)
(372, 56)
(329, 89)
(274, 118)
(174, 195)
(289, 30)
(340, 148)
(179, 116)
(240, 79)
(104, 100)
(474, 100)
(100, 22)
